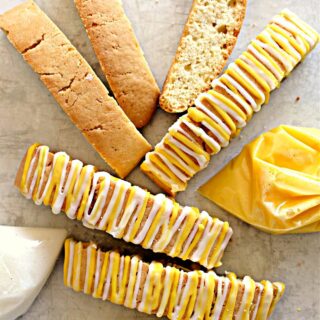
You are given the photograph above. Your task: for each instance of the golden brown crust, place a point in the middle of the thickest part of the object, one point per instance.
(165, 102)
(121, 58)
(75, 86)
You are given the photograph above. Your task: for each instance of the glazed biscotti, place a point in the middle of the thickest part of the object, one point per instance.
(220, 114)
(75, 86)
(121, 58)
(164, 290)
(208, 39)
(127, 212)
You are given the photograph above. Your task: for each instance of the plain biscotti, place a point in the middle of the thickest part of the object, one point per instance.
(127, 212)
(75, 86)
(208, 39)
(121, 58)
(154, 288)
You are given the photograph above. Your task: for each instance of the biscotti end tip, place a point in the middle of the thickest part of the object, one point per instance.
(168, 189)
(165, 105)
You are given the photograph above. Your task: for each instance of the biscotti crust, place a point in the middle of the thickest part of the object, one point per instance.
(75, 86)
(121, 58)
(178, 99)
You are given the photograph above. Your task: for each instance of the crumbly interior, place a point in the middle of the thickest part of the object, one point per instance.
(208, 39)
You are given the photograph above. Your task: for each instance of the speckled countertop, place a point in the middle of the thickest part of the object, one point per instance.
(29, 114)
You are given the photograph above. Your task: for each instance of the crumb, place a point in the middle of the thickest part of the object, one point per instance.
(240, 137)
(253, 25)
(297, 99)
(89, 77)
(298, 309)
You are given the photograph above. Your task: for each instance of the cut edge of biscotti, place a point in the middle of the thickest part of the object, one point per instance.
(207, 41)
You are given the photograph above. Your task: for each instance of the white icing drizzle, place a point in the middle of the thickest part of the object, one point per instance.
(287, 65)
(111, 204)
(203, 135)
(179, 294)
(293, 52)
(199, 307)
(244, 105)
(131, 284)
(182, 290)
(166, 292)
(177, 172)
(265, 62)
(56, 155)
(267, 300)
(176, 157)
(203, 108)
(57, 206)
(240, 122)
(176, 127)
(223, 142)
(288, 56)
(72, 210)
(264, 76)
(192, 235)
(247, 287)
(113, 229)
(89, 253)
(91, 217)
(225, 242)
(157, 203)
(96, 211)
(201, 159)
(221, 297)
(213, 234)
(255, 311)
(32, 167)
(285, 23)
(137, 285)
(143, 307)
(246, 95)
(246, 79)
(163, 220)
(107, 283)
(134, 206)
(177, 225)
(163, 175)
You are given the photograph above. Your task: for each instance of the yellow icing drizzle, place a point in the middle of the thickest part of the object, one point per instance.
(165, 291)
(232, 297)
(30, 152)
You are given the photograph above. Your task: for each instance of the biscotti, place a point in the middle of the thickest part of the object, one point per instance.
(75, 86)
(127, 212)
(164, 290)
(121, 58)
(208, 39)
(220, 114)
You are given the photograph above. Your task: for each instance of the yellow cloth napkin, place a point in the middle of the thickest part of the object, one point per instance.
(274, 183)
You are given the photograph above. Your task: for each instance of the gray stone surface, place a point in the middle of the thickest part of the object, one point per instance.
(29, 114)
